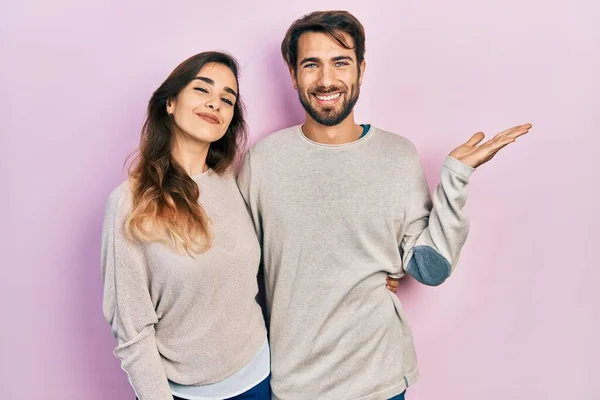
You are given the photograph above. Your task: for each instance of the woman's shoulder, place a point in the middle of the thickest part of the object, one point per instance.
(119, 200)
(212, 178)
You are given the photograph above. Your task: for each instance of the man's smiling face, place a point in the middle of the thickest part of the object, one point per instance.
(327, 77)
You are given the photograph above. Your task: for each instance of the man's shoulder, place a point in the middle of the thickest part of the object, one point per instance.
(394, 141)
(275, 141)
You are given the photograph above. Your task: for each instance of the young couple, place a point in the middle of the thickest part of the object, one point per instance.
(334, 212)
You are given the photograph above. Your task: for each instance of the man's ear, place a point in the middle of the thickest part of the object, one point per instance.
(293, 75)
(361, 72)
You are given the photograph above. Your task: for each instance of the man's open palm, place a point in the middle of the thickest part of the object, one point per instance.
(474, 154)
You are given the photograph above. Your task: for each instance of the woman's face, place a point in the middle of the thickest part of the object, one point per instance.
(203, 110)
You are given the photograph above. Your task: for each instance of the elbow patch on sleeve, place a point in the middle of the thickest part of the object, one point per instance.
(428, 266)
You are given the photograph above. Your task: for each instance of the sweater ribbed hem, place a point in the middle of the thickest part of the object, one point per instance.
(385, 394)
(395, 390)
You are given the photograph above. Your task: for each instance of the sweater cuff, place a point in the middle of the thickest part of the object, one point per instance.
(458, 167)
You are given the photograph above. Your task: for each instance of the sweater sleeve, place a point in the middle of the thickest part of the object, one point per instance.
(437, 226)
(128, 308)
(247, 186)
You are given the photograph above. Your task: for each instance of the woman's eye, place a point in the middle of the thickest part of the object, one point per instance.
(227, 101)
(201, 89)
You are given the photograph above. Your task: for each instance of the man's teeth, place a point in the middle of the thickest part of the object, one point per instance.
(328, 98)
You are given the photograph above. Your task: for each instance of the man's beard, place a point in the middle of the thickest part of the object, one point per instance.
(328, 116)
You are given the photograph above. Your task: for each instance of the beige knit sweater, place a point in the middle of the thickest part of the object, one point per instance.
(188, 320)
(335, 221)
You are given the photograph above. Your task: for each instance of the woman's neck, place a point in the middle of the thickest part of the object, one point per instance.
(191, 155)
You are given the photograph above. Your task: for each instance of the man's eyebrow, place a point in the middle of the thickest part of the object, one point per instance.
(212, 83)
(340, 58)
(310, 59)
(318, 60)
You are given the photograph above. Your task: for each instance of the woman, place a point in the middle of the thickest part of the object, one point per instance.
(179, 251)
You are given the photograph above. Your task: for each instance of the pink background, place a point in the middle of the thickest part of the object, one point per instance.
(519, 317)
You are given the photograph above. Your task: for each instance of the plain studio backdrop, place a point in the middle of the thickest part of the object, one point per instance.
(519, 318)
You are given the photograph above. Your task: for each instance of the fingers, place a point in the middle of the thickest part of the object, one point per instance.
(392, 284)
(502, 145)
(475, 139)
(498, 141)
(488, 150)
(521, 130)
(515, 131)
(497, 146)
(505, 132)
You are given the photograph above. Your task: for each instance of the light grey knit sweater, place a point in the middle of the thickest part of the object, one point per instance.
(334, 222)
(190, 320)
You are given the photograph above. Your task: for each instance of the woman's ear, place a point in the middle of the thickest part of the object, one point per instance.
(170, 106)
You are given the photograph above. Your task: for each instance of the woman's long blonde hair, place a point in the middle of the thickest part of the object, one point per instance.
(165, 197)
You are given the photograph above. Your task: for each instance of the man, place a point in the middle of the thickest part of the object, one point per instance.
(339, 207)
